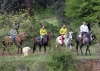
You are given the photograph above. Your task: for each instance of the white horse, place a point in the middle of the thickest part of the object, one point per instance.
(67, 40)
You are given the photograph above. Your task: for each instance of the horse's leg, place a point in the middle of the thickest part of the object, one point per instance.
(9, 52)
(70, 46)
(34, 48)
(66, 45)
(77, 47)
(18, 47)
(44, 48)
(3, 50)
(87, 49)
(56, 47)
(49, 47)
(81, 48)
(40, 48)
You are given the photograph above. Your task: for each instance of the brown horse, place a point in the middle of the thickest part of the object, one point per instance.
(45, 42)
(18, 41)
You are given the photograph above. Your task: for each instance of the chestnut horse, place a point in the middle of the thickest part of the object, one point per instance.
(18, 41)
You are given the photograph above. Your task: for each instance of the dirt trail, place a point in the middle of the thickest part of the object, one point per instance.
(89, 65)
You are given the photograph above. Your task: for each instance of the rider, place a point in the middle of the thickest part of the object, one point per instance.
(63, 31)
(83, 29)
(13, 33)
(43, 32)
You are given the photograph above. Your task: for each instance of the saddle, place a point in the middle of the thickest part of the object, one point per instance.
(82, 38)
(8, 39)
(62, 39)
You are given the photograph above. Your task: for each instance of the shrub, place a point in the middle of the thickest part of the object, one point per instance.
(62, 61)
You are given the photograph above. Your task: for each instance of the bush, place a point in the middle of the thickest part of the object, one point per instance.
(62, 61)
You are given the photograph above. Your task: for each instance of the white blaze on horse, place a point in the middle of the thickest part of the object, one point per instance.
(67, 40)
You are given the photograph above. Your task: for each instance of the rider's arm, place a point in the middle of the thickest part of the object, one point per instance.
(66, 30)
(11, 32)
(45, 31)
(81, 28)
(87, 29)
(40, 31)
(60, 31)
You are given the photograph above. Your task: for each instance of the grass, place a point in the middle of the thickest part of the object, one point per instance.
(42, 57)
(45, 57)
(37, 61)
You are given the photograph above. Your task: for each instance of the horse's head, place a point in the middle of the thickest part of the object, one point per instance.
(90, 35)
(23, 35)
(69, 35)
(49, 36)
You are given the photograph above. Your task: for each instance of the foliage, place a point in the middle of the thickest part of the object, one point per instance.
(96, 29)
(7, 68)
(12, 6)
(38, 6)
(83, 10)
(20, 21)
(62, 61)
(16, 66)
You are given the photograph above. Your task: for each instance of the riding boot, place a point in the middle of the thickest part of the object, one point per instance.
(62, 42)
(83, 41)
(42, 41)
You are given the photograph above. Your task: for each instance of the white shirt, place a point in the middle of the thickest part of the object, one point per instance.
(84, 28)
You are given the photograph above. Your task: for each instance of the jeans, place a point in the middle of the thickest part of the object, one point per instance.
(13, 37)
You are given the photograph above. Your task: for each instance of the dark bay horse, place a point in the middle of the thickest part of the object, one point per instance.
(18, 41)
(45, 42)
(88, 38)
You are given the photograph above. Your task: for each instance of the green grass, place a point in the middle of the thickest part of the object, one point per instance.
(38, 61)
(45, 57)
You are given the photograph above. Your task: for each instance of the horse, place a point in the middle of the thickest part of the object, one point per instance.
(18, 41)
(67, 40)
(88, 38)
(45, 42)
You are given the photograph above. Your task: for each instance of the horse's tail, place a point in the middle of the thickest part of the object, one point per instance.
(34, 47)
(21, 42)
(3, 42)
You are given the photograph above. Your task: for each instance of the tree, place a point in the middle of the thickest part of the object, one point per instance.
(83, 10)
(15, 6)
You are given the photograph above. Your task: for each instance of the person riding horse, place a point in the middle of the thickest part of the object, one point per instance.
(43, 32)
(83, 29)
(63, 31)
(13, 33)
